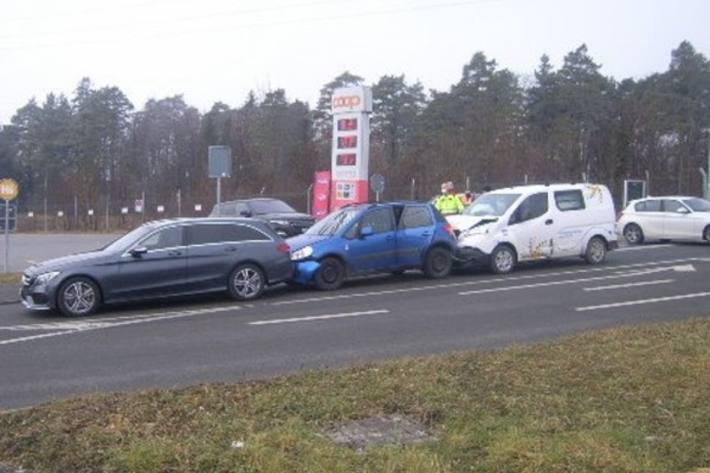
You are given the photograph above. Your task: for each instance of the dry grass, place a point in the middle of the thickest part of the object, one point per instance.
(13, 279)
(628, 400)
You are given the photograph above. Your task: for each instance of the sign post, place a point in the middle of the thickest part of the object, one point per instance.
(8, 191)
(220, 165)
(377, 184)
(633, 189)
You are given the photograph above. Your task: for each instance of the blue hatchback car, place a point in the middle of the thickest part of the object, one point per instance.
(373, 238)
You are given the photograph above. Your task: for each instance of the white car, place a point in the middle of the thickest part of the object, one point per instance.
(527, 223)
(666, 218)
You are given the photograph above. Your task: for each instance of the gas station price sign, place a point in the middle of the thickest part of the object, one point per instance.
(345, 142)
(347, 124)
(349, 159)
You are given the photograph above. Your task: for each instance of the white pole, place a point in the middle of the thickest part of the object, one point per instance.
(7, 234)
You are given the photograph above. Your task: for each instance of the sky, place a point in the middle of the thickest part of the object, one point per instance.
(219, 50)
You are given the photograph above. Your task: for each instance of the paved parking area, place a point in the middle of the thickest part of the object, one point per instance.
(45, 356)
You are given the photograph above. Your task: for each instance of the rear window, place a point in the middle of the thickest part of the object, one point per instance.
(569, 200)
(648, 206)
(416, 216)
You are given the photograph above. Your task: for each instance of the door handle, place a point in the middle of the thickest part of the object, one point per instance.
(389, 237)
(174, 253)
(231, 249)
(426, 234)
(549, 221)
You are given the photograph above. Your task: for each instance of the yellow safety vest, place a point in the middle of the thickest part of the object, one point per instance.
(449, 204)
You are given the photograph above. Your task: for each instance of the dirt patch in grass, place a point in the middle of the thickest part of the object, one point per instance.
(10, 279)
(627, 400)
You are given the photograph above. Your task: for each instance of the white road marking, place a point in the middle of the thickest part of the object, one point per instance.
(68, 328)
(643, 301)
(631, 284)
(644, 247)
(564, 282)
(319, 317)
(537, 275)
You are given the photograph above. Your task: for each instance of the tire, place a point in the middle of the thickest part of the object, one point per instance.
(503, 259)
(330, 275)
(246, 282)
(437, 263)
(633, 234)
(78, 297)
(706, 234)
(397, 272)
(596, 251)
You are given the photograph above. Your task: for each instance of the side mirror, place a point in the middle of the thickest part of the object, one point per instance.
(366, 231)
(139, 251)
(683, 211)
(245, 213)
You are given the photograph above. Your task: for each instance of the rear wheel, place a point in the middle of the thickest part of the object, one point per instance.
(246, 282)
(437, 263)
(706, 234)
(633, 234)
(330, 275)
(78, 297)
(503, 259)
(596, 251)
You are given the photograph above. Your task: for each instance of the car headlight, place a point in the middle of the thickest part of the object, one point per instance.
(46, 277)
(303, 253)
(278, 222)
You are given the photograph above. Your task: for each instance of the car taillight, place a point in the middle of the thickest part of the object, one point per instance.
(450, 230)
(283, 248)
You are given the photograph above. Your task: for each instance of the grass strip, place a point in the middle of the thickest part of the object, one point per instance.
(634, 399)
(10, 279)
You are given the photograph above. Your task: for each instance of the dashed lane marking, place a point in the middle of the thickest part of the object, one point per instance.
(319, 317)
(653, 300)
(631, 284)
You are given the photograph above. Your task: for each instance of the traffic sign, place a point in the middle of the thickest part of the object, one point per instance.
(8, 189)
(377, 183)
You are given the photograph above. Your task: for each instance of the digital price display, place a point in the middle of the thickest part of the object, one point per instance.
(345, 142)
(346, 159)
(347, 124)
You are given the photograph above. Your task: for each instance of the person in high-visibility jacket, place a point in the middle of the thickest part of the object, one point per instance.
(448, 203)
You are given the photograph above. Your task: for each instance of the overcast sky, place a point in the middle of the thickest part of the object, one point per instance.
(214, 50)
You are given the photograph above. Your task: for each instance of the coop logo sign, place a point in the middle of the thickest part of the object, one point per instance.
(346, 101)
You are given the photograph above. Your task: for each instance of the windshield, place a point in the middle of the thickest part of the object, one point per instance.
(491, 205)
(698, 205)
(331, 224)
(128, 239)
(259, 207)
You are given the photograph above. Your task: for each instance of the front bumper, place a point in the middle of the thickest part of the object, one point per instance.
(304, 271)
(37, 297)
(468, 255)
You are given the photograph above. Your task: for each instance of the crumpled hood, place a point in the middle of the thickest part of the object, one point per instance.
(57, 264)
(464, 222)
(300, 241)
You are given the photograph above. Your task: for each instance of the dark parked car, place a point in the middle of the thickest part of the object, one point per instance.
(373, 238)
(282, 217)
(159, 259)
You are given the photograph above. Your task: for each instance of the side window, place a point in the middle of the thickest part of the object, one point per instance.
(640, 207)
(532, 207)
(238, 232)
(166, 238)
(649, 206)
(671, 205)
(416, 216)
(204, 234)
(381, 220)
(569, 200)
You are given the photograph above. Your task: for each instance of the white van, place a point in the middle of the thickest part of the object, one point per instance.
(538, 222)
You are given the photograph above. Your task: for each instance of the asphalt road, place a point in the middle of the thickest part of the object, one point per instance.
(45, 357)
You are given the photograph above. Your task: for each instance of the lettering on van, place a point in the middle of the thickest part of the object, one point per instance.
(595, 190)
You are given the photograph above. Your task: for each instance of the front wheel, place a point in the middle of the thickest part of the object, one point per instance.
(437, 263)
(78, 297)
(330, 275)
(596, 251)
(246, 282)
(503, 259)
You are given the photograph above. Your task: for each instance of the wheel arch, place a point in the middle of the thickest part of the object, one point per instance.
(248, 261)
(91, 278)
